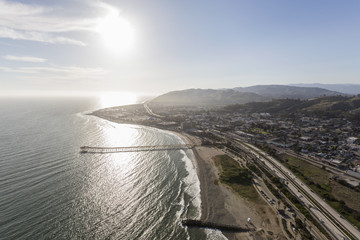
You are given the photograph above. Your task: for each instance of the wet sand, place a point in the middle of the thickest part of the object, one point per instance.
(220, 204)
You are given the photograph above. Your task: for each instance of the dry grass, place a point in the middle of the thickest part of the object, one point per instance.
(322, 183)
(238, 178)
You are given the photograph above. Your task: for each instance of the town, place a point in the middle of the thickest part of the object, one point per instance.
(322, 152)
(331, 141)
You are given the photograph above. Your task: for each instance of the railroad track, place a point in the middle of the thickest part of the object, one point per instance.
(300, 189)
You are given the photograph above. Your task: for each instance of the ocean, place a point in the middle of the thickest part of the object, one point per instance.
(49, 190)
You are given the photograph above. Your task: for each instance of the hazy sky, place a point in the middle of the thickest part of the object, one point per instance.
(154, 46)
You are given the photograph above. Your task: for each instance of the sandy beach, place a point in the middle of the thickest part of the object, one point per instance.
(220, 204)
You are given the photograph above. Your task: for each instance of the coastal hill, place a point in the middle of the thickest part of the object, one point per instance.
(206, 97)
(352, 89)
(329, 106)
(284, 91)
(222, 97)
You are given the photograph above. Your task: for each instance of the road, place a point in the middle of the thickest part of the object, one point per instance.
(150, 112)
(260, 186)
(339, 227)
(328, 217)
(288, 214)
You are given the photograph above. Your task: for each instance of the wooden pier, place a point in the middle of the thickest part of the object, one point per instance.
(221, 227)
(88, 149)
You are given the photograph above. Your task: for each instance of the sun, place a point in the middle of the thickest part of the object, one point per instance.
(116, 32)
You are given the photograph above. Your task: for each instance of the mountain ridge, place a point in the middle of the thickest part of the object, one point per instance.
(286, 91)
(352, 89)
(222, 97)
(207, 97)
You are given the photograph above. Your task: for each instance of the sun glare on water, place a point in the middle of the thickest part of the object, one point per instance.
(117, 33)
(111, 99)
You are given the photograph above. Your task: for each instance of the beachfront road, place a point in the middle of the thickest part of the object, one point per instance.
(327, 216)
(339, 227)
(150, 112)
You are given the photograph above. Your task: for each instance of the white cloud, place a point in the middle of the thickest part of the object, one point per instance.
(6, 69)
(43, 24)
(52, 73)
(13, 8)
(37, 36)
(24, 58)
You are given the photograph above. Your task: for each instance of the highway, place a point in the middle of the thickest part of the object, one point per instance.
(327, 216)
(260, 186)
(150, 112)
(339, 227)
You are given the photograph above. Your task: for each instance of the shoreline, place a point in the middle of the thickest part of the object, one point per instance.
(219, 203)
(209, 212)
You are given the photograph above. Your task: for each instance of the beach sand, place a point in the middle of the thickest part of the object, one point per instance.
(220, 204)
